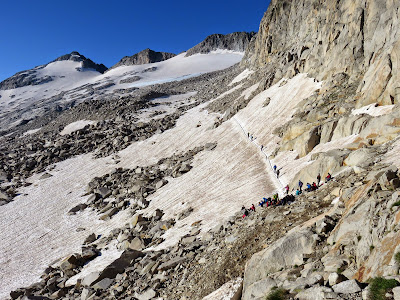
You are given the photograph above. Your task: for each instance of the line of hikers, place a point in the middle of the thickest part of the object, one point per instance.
(310, 186)
(288, 198)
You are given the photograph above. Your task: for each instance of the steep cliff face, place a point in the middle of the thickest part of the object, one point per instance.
(324, 38)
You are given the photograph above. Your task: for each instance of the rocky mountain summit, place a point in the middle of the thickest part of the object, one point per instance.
(32, 77)
(86, 62)
(145, 192)
(236, 41)
(146, 56)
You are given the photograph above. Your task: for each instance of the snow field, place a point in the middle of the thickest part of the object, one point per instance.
(66, 77)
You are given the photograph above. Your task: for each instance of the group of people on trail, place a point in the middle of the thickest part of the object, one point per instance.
(312, 186)
(288, 198)
(270, 201)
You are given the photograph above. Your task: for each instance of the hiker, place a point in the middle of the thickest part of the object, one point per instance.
(275, 168)
(253, 208)
(277, 173)
(318, 179)
(275, 199)
(308, 187)
(300, 185)
(328, 177)
(245, 213)
(298, 192)
(262, 147)
(287, 189)
(314, 186)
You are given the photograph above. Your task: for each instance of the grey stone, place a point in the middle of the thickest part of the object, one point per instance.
(335, 278)
(347, 287)
(104, 192)
(396, 293)
(103, 284)
(147, 295)
(171, 263)
(316, 293)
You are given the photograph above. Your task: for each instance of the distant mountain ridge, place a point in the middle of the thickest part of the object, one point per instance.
(236, 41)
(146, 56)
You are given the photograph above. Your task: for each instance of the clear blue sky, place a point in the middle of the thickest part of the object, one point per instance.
(36, 32)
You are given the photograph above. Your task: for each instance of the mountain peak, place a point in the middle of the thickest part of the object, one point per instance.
(236, 41)
(146, 56)
(86, 62)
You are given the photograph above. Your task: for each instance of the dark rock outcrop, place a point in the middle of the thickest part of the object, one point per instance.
(86, 62)
(146, 56)
(237, 41)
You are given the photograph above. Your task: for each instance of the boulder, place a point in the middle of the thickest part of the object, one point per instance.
(335, 278)
(259, 289)
(77, 208)
(134, 220)
(360, 157)
(116, 267)
(347, 287)
(103, 284)
(171, 263)
(90, 239)
(316, 293)
(86, 293)
(396, 293)
(136, 244)
(286, 252)
(109, 213)
(147, 295)
(104, 192)
(69, 263)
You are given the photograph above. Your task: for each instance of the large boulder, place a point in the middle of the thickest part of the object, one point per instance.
(286, 252)
(116, 267)
(360, 157)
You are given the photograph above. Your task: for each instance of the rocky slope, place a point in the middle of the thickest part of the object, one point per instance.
(315, 93)
(236, 41)
(146, 56)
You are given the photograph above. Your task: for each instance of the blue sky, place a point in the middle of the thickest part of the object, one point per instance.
(36, 32)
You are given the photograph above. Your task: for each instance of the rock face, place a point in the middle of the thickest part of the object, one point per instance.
(324, 38)
(236, 41)
(29, 77)
(86, 62)
(146, 56)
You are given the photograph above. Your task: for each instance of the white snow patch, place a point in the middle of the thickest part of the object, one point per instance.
(336, 200)
(247, 93)
(32, 131)
(246, 73)
(373, 110)
(227, 291)
(74, 126)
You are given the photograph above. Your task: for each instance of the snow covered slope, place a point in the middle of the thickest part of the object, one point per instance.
(72, 83)
(246, 178)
